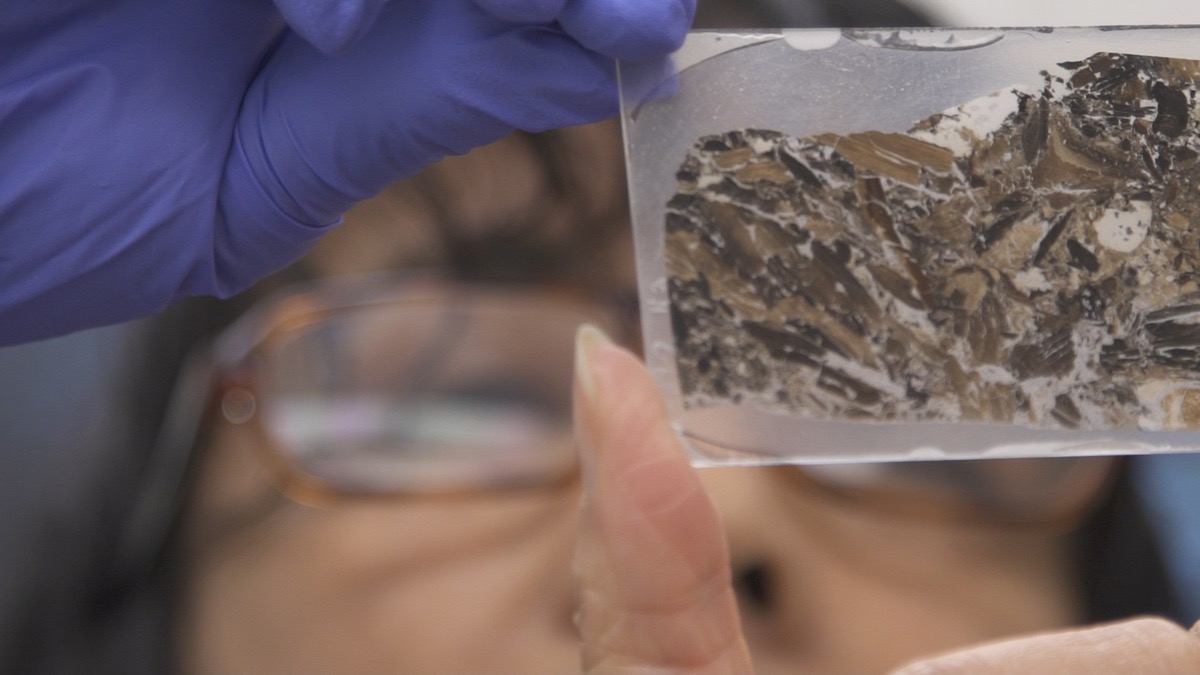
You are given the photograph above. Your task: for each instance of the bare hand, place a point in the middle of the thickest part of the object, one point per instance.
(652, 562)
(1135, 647)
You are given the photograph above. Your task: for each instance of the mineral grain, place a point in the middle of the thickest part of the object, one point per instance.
(1031, 257)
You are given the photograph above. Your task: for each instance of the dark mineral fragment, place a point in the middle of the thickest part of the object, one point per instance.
(1031, 257)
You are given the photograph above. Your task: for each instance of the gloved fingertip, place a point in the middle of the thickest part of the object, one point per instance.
(633, 30)
(646, 81)
(330, 25)
(523, 11)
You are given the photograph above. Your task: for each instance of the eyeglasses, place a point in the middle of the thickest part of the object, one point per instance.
(416, 387)
(387, 385)
(419, 388)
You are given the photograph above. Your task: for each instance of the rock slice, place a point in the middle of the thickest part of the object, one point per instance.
(1031, 257)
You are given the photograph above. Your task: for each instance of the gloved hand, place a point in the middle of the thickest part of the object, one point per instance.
(153, 151)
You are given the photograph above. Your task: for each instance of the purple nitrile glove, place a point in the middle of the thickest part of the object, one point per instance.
(330, 25)
(154, 151)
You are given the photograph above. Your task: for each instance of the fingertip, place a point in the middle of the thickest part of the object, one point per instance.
(588, 339)
(633, 30)
(330, 25)
(616, 398)
(593, 349)
(523, 11)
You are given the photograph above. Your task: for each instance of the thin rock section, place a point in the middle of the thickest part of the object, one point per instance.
(1028, 258)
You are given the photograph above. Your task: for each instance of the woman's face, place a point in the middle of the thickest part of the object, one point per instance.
(482, 582)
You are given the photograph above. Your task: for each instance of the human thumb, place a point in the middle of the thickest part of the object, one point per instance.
(652, 561)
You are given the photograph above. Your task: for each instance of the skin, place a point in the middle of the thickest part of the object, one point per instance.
(648, 575)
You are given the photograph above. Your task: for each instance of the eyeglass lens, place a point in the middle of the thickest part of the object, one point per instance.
(468, 393)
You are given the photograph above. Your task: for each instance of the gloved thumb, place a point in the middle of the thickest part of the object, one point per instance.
(330, 25)
(635, 30)
(648, 29)
(523, 11)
